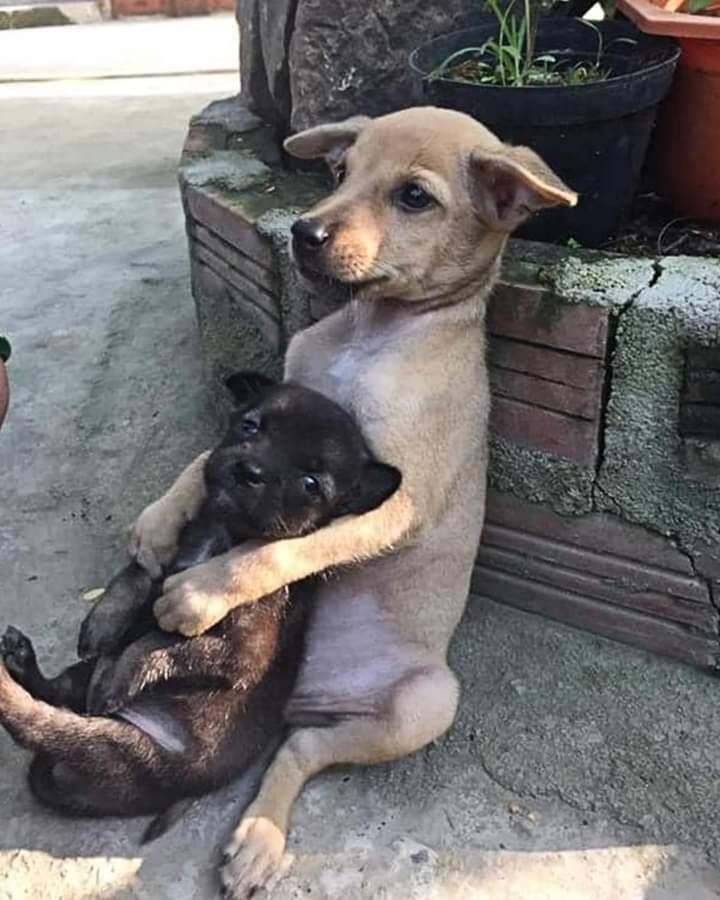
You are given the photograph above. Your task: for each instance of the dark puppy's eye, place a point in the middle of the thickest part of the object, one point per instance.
(311, 485)
(250, 425)
(413, 198)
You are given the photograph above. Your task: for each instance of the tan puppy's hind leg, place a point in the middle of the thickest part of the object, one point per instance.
(420, 708)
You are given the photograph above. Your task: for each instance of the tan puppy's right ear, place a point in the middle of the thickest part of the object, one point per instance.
(509, 184)
(329, 142)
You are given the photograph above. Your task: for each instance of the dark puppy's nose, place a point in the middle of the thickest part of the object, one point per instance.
(309, 234)
(250, 473)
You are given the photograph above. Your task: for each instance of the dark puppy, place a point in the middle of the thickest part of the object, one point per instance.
(188, 715)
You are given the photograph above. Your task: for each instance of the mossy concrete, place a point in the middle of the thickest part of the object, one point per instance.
(595, 279)
(36, 17)
(644, 476)
(565, 486)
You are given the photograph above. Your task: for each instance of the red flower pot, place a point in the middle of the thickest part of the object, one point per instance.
(687, 141)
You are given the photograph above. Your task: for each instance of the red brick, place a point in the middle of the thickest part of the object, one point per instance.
(702, 391)
(563, 398)
(543, 429)
(202, 139)
(227, 222)
(591, 531)
(235, 280)
(188, 7)
(554, 365)
(533, 315)
(648, 632)
(235, 258)
(700, 420)
(121, 8)
(632, 576)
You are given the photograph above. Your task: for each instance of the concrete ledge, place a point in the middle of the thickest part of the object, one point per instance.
(74, 12)
(605, 508)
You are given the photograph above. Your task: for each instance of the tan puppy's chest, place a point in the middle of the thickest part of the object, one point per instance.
(357, 364)
(374, 623)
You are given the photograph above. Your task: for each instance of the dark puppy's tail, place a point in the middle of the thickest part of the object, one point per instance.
(50, 792)
(165, 820)
(46, 788)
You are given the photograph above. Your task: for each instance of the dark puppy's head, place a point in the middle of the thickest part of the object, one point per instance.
(290, 461)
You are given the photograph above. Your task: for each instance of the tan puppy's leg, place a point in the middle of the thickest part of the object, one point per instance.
(154, 536)
(194, 600)
(420, 708)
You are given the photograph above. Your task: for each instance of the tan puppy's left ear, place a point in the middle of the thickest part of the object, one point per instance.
(510, 184)
(329, 142)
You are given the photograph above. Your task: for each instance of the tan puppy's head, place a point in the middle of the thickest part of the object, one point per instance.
(424, 202)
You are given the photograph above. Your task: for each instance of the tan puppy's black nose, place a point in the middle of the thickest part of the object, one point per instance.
(309, 235)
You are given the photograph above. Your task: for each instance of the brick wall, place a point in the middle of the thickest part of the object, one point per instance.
(124, 8)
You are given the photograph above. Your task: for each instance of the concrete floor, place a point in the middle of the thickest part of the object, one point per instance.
(125, 47)
(577, 769)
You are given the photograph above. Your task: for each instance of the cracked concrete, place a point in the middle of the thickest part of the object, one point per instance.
(577, 768)
(644, 471)
(660, 310)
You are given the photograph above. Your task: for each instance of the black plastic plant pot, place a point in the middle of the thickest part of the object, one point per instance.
(595, 135)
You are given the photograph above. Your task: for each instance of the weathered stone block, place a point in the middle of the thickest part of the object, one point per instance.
(303, 61)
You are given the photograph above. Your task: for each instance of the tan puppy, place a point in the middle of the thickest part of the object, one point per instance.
(425, 202)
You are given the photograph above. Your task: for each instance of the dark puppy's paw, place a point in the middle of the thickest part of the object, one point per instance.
(89, 645)
(114, 684)
(17, 653)
(99, 686)
(105, 626)
(101, 632)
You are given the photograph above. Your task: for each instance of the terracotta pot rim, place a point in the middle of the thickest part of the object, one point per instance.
(652, 19)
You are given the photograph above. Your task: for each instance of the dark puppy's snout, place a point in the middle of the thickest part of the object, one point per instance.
(249, 473)
(309, 235)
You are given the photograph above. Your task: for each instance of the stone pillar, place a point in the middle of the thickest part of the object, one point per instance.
(306, 61)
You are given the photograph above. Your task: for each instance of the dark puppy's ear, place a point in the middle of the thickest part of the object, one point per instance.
(509, 184)
(247, 386)
(328, 142)
(377, 482)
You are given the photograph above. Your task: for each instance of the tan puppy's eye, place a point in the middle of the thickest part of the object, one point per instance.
(339, 173)
(413, 198)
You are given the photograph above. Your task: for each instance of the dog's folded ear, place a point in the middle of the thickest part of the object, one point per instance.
(329, 142)
(511, 183)
(377, 482)
(247, 386)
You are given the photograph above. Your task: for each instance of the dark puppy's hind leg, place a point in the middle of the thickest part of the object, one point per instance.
(84, 765)
(68, 689)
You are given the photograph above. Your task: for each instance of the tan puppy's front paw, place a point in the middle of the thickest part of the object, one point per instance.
(254, 859)
(194, 600)
(154, 536)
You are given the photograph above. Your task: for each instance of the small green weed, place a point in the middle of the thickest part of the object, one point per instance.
(510, 60)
